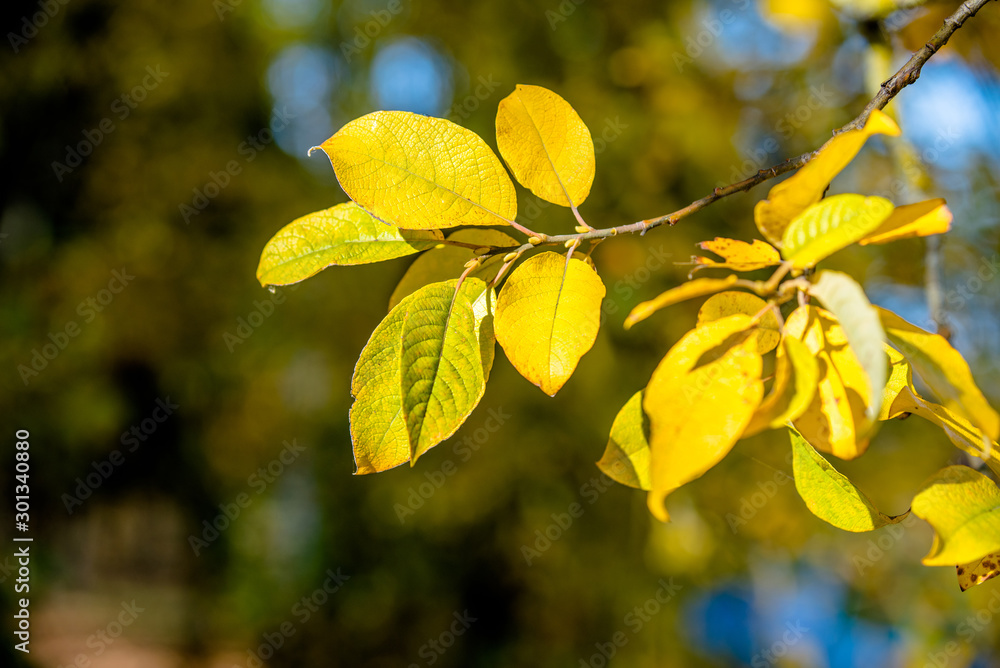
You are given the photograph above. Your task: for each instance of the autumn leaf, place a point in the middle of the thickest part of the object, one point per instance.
(730, 303)
(833, 224)
(979, 571)
(418, 172)
(912, 220)
(963, 506)
(698, 287)
(546, 145)
(738, 255)
(796, 375)
(626, 457)
(341, 235)
(548, 315)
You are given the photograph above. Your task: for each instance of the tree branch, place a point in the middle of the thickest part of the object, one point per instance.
(906, 75)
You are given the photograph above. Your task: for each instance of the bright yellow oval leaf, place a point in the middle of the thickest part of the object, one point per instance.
(729, 303)
(698, 287)
(418, 172)
(944, 370)
(833, 224)
(548, 314)
(738, 255)
(835, 421)
(795, 194)
(546, 145)
(796, 375)
(912, 220)
(963, 506)
(341, 235)
(445, 262)
(626, 457)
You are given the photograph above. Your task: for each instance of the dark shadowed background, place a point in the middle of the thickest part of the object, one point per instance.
(192, 497)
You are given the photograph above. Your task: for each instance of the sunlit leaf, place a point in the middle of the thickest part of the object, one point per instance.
(833, 224)
(446, 356)
(445, 262)
(795, 194)
(959, 431)
(835, 421)
(796, 375)
(979, 571)
(944, 370)
(341, 235)
(913, 220)
(731, 302)
(698, 287)
(900, 377)
(963, 506)
(697, 413)
(846, 300)
(546, 145)
(548, 314)
(738, 255)
(626, 457)
(418, 172)
(828, 493)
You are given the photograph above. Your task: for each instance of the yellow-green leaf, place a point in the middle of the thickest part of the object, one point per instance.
(445, 262)
(796, 375)
(546, 145)
(794, 195)
(912, 220)
(833, 224)
(944, 370)
(697, 414)
(341, 235)
(979, 571)
(963, 506)
(835, 421)
(738, 255)
(446, 356)
(418, 172)
(828, 493)
(729, 303)
(548, 314)
(698, 287)
(626, 457)
(900, 377)
(843, 297)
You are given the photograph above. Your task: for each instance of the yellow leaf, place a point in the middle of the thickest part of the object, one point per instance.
(738, 255)
(963, 506)
(944, 370)
(794, 195)
(697, 413)
(546, 145)
(900, 377)
(547, 317)
(959, 431)
(729, 303)
(698, 287)
(835, 421)
(418, 172)
(833, 224)
(626, 457)
(796, 375)
(913, 220)
(978, 572)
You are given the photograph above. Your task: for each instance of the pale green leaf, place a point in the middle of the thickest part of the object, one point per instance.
(834, 223)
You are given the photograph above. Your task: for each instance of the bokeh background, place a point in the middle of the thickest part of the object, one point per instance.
(167, 142)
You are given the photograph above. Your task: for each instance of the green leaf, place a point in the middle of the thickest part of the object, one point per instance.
(445, 262)
(341, 235)
(944, 370)
(446, 356)
(417, 172)
(963, 506)
(843, 297)
(829, 495)
(626, 457)
(698, 287)
(834, 223)
(548, 315)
